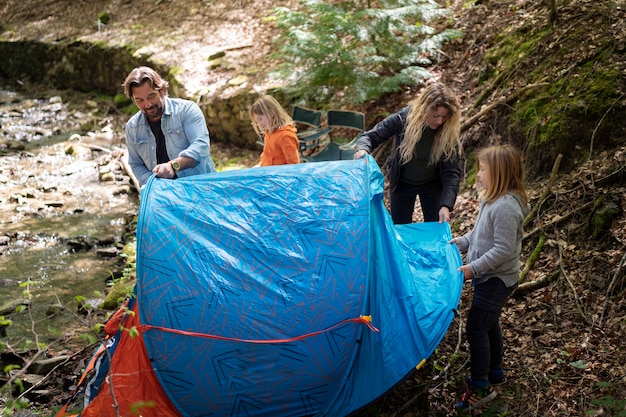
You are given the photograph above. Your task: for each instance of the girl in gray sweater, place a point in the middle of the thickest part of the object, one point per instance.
(493, 249)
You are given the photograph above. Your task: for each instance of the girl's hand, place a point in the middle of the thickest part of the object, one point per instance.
(456, 240)
(467, 272)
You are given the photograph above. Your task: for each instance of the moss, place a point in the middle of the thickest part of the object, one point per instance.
(120, 100)
(602, 217)
(571, 109)
(511, 50)
(122, 288)
(104, 17)
(472, 168)
(129, 110)
(118, 292)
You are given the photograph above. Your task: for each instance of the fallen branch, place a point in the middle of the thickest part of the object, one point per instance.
(532, 259)
(610, 287)
(52, 371)
(614, 176)
(11, 306)
(96, 148)
(558, 220)
(469, 122)
(579, 305)
(129, 172)
(531, 286)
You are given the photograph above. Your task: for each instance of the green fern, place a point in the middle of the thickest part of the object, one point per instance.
(349, 52)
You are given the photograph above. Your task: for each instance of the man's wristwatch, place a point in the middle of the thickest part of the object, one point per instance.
(175, 165)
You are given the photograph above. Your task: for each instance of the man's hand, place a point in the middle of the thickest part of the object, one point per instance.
(360, 154)
(164, 171)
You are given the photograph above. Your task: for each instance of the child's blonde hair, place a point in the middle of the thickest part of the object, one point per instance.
(505, 170)
(447, 140)
(273, 112)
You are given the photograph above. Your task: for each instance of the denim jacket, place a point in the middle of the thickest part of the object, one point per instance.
(186, 134)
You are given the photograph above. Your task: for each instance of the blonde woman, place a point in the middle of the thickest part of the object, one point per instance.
(271, 121)
(424, 160)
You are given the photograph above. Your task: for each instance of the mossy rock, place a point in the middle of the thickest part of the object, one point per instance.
(117, 294)
(602, 217)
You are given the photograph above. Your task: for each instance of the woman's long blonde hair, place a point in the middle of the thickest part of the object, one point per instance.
(273, 112)
(447, 140)
(505, 169)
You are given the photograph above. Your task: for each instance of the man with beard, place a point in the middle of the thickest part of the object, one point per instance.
(167, 137)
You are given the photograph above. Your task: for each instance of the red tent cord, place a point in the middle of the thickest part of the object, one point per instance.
(366, 320)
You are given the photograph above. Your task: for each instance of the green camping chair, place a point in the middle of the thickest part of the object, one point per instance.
(346, 128)
(314, 137)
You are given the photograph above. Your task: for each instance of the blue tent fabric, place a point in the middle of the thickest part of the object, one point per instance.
(251, 284)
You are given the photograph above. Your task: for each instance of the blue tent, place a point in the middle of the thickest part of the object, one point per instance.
(287, 291)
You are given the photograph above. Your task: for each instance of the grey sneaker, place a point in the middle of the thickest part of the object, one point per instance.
(474, 398)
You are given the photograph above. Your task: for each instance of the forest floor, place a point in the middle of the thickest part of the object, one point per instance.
(565, 329)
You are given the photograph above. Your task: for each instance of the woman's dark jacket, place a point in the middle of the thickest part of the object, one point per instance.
(394, 125)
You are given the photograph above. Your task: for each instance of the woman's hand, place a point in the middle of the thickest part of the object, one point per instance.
(360, 154)
(444, 214)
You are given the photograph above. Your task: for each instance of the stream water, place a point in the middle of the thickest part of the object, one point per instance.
(61, 185)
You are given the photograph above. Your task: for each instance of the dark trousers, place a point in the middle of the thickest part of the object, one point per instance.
(484, 334)
(402, 201)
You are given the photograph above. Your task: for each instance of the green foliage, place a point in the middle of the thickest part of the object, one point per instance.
(10, 368)
(579, 364)
(123, 287)
(120, 100)
(5, 322)
(345, 51)
(608, 405)
(104, 17)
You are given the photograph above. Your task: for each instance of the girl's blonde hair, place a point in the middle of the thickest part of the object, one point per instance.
(273, 112)
(447, 140)
(505, 169)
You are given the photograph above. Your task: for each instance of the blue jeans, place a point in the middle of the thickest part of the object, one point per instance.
(402, 201)
(483, 327)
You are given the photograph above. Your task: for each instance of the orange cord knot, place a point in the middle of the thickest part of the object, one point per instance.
(367, 320)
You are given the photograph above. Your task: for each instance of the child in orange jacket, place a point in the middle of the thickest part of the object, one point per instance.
(280, 143)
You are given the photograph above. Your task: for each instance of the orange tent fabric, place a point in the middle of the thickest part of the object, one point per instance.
(135, 389)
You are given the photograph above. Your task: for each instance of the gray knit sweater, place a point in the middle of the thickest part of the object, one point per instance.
(494, 245)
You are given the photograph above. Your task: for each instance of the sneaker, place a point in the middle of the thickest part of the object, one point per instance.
(474, 398)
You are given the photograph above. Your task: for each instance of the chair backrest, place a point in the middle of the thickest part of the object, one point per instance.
(347, 119)
(309, 117)
(346, 125)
